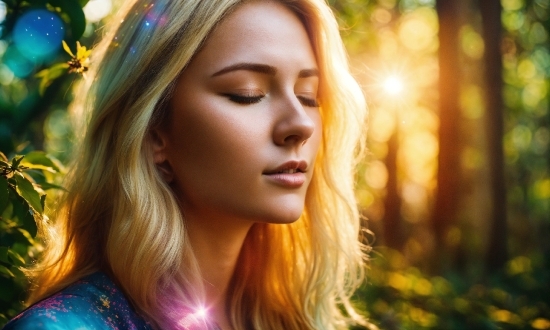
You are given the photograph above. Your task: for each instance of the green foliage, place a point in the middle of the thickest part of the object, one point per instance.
(398, 296)
(48, 75)
(22, 204)
(24, 101)
(73, 10)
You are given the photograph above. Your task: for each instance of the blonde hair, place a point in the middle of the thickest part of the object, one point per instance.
(121, 217)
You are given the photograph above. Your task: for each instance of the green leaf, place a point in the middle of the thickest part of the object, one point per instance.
(43, 201)
(53, 71)
(23, 213)
(16, 259)
(27, 191)
(47, 185)
(44, 84)
(27, 235)
(15, 162)
(41, 167)
(76, 15)
(41, 160)
(3, 157)
(4, 254)
(17, 272)
(50, 74)
(5, 270)
(4, 194)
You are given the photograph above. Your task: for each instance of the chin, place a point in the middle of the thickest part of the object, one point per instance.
(272, 209)
(284, 215)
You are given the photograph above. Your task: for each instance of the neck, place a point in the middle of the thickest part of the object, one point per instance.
(216, 244)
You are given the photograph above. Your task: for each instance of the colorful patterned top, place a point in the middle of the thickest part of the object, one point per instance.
(91, 303)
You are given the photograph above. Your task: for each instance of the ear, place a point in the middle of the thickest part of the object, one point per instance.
(158, 143)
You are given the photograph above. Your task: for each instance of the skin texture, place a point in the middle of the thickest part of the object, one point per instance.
(230, 123)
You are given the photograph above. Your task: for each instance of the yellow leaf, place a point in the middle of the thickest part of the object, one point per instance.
(44, 83)
(66, 47)
(42, 73)
(59, 66)
(87, 54)
(82, 53)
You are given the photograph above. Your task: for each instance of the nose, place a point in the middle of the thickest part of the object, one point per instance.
(294, 126)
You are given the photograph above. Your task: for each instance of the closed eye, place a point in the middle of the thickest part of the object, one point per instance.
(308, 102)
(244, 99)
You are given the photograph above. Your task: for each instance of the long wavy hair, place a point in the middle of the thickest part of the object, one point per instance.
(121, 217)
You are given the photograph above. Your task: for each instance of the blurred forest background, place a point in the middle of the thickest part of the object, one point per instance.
(456, 185)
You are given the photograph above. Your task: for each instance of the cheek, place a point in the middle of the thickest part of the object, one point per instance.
(314, 141)
(213, 147)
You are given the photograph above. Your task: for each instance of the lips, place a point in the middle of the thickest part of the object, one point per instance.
(290, 167)
(288, 175)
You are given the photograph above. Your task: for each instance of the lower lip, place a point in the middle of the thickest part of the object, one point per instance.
(288, 180)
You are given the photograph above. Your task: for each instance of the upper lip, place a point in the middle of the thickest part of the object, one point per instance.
(298, 165)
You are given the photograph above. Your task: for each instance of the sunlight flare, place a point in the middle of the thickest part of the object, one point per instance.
(393, 85)
(201, 312)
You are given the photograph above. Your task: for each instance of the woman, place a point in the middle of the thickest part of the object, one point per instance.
(211, 127)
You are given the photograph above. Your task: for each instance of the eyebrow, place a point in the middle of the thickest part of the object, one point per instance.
(263, 68)
(308, 73)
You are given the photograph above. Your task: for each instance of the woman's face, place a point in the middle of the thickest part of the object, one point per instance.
(244, 126)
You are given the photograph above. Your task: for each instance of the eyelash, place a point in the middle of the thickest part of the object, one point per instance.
(242, 99)
(308, 102)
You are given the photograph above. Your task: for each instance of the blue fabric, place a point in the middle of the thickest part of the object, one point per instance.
(94, 302)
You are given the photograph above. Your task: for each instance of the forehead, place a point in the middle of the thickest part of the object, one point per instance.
(259, 32)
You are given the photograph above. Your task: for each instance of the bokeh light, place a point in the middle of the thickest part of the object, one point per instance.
(513, 20)
(510, 5)
(393, 85)
(17, 63)
(3, 47)
(418, 29)
(418, 157)
(96, 10)
(376, 175)
(3, 11)
(382, 125)
(471, 42)
(6, 75)
(38, 33)
(471, 102)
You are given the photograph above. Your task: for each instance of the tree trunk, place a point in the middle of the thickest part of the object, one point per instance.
(392, 203)
(448, 175)
(492, 33)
